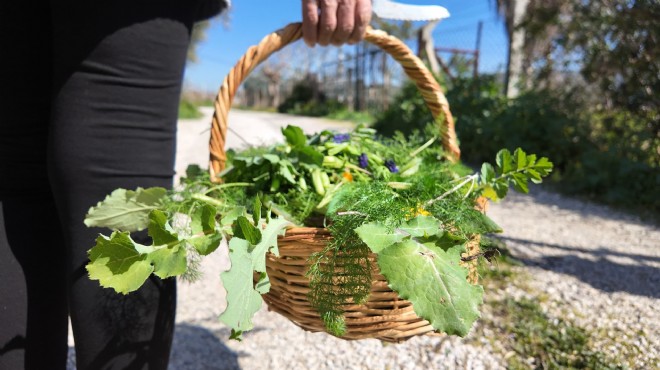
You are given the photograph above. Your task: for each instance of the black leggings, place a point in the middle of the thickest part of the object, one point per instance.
(88, 103)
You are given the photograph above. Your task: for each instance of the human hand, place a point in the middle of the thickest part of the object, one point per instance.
(335, 21)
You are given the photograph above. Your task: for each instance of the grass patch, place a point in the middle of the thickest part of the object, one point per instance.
(355, 117)
(525, 335)
(537, 341)
(188, 110)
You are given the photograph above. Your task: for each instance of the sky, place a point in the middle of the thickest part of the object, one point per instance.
(248, 21)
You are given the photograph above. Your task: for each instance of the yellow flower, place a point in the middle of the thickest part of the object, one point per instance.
(420, 211)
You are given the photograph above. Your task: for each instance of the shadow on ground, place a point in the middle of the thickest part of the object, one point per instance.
(195, 347)
(598, 269)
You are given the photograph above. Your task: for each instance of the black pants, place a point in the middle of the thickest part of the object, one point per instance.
(88, 103)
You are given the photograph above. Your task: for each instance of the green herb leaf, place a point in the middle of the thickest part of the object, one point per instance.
(421, 226)
(116, 263)
(310, 155)
(159, 229)
(169, 261)
(242, 300)
(206, 239)
(435, 284)
(487, 173)
(294, 136)
(504, 162)
(268, 243)
(245, 230)
(125, 210)
(377, 237)
(256, 211)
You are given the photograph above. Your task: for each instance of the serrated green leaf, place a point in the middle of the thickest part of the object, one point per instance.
(168, 262)
(285, 170)
(256, 210)
(421, 226)
(245, 230)
(203, 220)
(117, 263)
(377, 237)
(520, 183)
(531, 160)
(543, 166)
(242, 300)
(435, 284)
(207, 244)
(487, 173)
(159, 229)
(520, 158)
(236, 335)
(272, 158)
(229, 218)
(501, 188)
(294, 136)
(503, 160)
(310, 155)
(206, 239)
(534, 176)
(125, 210)
(268, 243)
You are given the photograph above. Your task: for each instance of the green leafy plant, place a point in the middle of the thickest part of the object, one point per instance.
(397, 198)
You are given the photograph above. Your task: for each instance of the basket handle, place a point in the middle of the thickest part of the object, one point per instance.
(412, 65)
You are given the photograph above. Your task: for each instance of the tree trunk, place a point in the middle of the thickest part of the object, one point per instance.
(514, 69)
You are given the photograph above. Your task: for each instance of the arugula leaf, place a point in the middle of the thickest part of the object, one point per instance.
(378, 237)
(294, 136)
(421, 226)
(267, 243)
(116, 263)
(126, 210)
(310, 155)
(206, 239)
(242, 300)
(170, 261)
(245, 230)
(159, 229)
(433, 281)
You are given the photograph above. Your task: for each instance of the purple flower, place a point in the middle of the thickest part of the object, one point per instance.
(341, 138)
(391, 166)
(363, 161)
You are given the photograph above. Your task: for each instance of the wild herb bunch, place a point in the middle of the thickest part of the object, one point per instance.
(398, 199)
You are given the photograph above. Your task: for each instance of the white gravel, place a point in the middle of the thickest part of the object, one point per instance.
(598, 267)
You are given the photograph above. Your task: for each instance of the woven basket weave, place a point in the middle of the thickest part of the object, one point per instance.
(384, 316)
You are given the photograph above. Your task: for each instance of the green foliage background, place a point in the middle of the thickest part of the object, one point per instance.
(610, 155)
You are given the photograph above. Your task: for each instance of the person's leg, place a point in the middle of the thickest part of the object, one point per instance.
(118, 73)
(33, 308)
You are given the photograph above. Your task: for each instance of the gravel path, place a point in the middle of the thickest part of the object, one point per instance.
(598, 267)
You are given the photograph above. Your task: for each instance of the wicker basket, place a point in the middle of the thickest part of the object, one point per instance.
(384, 316)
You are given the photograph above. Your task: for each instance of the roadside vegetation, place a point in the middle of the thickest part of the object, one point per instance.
(525, 335)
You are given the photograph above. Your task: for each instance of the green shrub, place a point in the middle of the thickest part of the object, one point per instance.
(307, 100)
(188, 110)
(608, 155)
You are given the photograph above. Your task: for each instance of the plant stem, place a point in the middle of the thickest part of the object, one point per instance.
(207, 199)
(452, 190)
(426, 145)
(229, 185)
